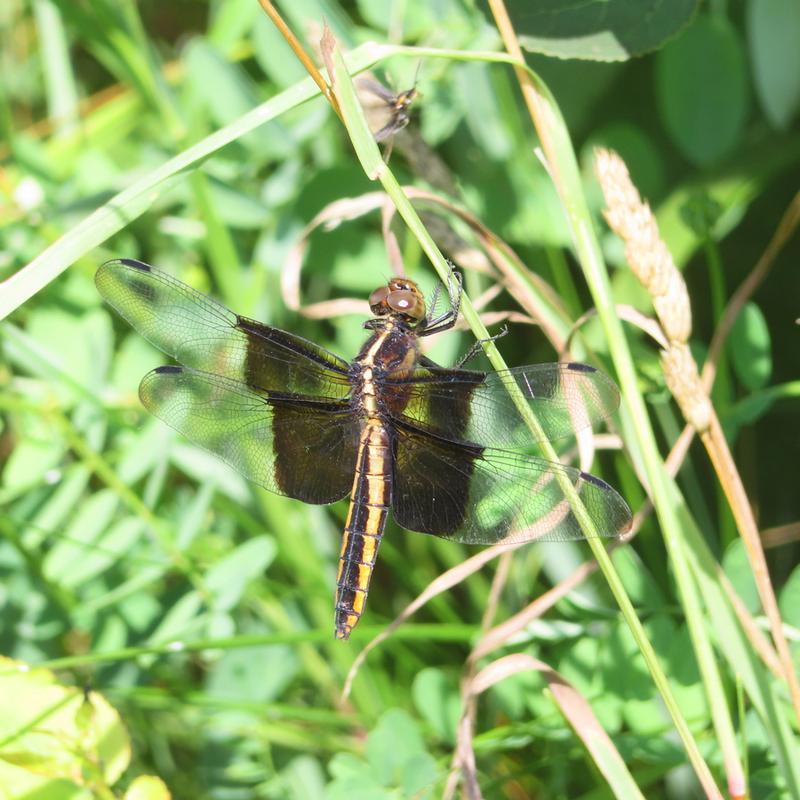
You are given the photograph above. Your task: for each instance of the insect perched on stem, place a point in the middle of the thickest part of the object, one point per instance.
(391, 429)
(387, 113)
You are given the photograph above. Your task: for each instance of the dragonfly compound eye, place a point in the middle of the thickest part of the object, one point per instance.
(377, 300)
(408, 303)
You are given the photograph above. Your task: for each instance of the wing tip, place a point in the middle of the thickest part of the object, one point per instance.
(577, 366)
(587, 477)
(106, 269)
(146, 384)
(132, 262)
(624, 518)
(125, 262)
(598, 378)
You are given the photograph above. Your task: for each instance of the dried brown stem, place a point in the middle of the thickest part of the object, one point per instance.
(784, 231)
(781, 534)
(469, 702)
(717, 448)
(300, 52)
(651, 262)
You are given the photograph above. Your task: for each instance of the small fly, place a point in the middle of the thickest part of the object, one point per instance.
(387, 112)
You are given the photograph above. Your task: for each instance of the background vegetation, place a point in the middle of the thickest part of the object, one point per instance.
(176, 597)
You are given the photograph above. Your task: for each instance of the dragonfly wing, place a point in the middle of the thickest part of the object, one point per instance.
(302, 448)
(478, 495)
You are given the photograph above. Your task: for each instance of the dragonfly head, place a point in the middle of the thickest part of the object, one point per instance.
(401, 298)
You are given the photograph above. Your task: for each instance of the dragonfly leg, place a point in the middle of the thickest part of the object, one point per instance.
(449, 318)
(477, 347)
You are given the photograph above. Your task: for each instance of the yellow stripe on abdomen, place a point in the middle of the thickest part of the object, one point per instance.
(370, 499)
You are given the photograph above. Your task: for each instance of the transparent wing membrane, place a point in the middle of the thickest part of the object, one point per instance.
(304, 450)
(202, 334)
(476, 407)
(484, 496)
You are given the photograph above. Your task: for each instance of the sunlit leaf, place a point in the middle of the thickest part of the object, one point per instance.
(601, 30)
(751, 347)
(702, 90)
(47, 739)
(773, 28)
(437, 701)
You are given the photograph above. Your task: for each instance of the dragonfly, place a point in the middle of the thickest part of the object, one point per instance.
(437, 447)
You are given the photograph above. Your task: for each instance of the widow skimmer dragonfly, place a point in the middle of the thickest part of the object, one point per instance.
(391, 429)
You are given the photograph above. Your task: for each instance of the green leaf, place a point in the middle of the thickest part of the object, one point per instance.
(394, 740)
(685, 678)
(75, 346)
(625, 674)
(180, 620)
(274, 55)
(441, 112)
(599, 30)
(751, 348)
(437, 700)
(84, 558)
(740, 574)
(577, 665)
(228, 578)
(236, 208)
(148, 787)
(419, 16)
(228, 93)
(491, 133)
(702, 90)
(773, 32)
(420, 773)
(30, 461)
(398, 764)
(352, 781)
(231, 22)
(81, 553)
(59, 506)
(62, 92)
(639, 581)
(789, 600)
(304, 778)
(258, 674)
(46, 744)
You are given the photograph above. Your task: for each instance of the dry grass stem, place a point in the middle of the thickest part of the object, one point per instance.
(717, 447)
(459, 250)
(785, 230)
(648, 256)
(330, 217)
(441, 584)
(781, 534)
(300, 52)
(627, 313)
(469, 703)
(683, 380)
(570, 702)
(650, 261)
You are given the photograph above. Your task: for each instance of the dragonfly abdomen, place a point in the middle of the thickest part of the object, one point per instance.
(370, 500)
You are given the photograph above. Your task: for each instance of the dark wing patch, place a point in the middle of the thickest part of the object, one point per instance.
(294, 447)
(483, 496)
(204, 335)
(476, 407)
(386, 112)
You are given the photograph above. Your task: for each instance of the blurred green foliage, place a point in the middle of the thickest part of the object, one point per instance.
(115, 533)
